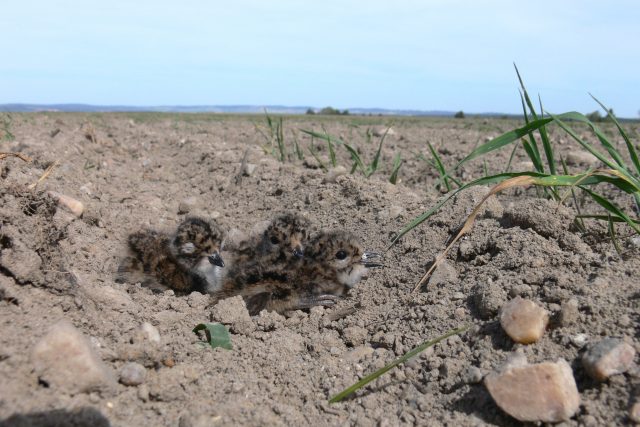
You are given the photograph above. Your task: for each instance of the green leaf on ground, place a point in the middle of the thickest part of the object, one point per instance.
(216, 333)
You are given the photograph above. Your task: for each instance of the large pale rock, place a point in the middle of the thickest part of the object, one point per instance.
(544, 392)
(523, 320)
(608, 357)
(64, 359)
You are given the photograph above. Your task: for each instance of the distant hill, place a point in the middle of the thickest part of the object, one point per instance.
(239, 109)
(256, 109)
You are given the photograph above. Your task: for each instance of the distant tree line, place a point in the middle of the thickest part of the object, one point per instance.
(597, 117)
(328, 111)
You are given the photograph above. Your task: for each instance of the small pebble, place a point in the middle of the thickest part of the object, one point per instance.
(608, 357)
(76, 207)
(150, 332)
(544, 392)
(132, 374)
(248, 169)
(579, 340)
(523, 320)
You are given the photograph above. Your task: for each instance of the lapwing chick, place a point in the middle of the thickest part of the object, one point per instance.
(189, 260)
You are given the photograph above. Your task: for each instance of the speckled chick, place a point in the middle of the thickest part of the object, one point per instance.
(186, 261)
(333, 263)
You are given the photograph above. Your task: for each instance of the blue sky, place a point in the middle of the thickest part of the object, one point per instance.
(429, 55)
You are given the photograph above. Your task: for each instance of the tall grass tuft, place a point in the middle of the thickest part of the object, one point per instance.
(273, 133)
(408, 355)
(624, 177)
(358, 163)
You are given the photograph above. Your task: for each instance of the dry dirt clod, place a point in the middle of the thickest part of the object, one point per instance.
(187, 205)
(64, 359)
(608, 357)
(354, 335)
(233, 312)
(523, 320)
(76, 207)
(544, 392)
(334, 173)
(569, 313)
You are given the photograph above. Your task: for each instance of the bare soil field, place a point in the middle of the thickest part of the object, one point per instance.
(133, 171)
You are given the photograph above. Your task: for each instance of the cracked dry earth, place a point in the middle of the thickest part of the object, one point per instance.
(132, 171)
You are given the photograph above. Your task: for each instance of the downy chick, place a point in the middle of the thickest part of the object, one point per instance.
(186, 261)
(334, 262)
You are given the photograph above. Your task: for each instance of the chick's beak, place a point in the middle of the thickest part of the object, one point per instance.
(371, 259)
(216, 259)
(298, 251)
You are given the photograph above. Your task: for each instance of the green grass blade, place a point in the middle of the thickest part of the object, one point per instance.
(614, 238)
(606, 218)
(439, 166)
(280, 140)
(315, 156)
(575, 199)
(513, 152)
(611, 207)
(296, 146)
(526, 95)
(541, 179)
(323, 136)
(374, 163)
(397, 162)
(408, 355)
(613, 152)
(356, 157)
(580, 117)
(632, 150)
(505, 139)
(531, 146)
(480, 181)
(546, 144)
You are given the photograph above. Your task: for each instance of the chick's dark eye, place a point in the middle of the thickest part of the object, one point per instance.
(341, 255)
(274, 240)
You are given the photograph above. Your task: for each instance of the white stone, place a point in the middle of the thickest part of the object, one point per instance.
(150, 332)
